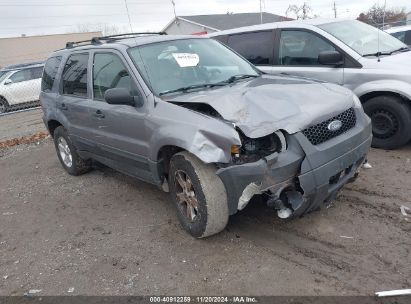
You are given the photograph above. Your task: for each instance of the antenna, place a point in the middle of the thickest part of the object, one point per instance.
(128, 15)
(383, 22)
(261, 13)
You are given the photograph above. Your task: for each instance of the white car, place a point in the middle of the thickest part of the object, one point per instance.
(20, 86)
(401, 32)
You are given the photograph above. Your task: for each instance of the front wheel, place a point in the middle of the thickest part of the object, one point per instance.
(4, 106)
(198, 194)
(68, 155)
(391, 121)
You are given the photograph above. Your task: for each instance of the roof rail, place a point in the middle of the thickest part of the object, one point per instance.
(110, 38)
(72, 44)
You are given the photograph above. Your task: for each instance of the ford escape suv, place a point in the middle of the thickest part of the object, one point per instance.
(362, 58)
(194, 118)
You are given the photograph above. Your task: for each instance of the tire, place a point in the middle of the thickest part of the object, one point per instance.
(72, 163)
(391, 121)
(4, 105)
(211, 214)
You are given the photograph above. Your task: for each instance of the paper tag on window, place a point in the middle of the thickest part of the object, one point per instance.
(186, 59)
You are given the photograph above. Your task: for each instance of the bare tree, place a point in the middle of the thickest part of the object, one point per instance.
(105, 29)
(376, 16)
(299, 11)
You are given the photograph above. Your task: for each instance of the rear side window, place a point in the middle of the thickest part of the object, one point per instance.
(49, 74)
(408, 37)
(255, 47)
(36, 72)
(399, 35)
(75, 75)
(109, 72)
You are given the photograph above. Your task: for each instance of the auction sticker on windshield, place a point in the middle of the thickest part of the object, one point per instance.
(186, 59)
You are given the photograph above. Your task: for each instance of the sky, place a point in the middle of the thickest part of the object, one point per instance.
(38, 17)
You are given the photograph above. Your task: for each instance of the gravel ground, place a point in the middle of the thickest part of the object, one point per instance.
(21, 124)
(104, 233)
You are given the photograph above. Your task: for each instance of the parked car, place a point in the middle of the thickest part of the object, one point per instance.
(20, 86)
(192, 117)
(402, 33)
(375, 65)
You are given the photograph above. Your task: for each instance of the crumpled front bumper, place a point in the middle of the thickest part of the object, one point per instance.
(317, 172)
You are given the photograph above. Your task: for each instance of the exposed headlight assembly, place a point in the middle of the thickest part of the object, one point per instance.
(253, 149)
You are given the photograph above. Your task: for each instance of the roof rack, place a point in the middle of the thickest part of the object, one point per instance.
(110, 38)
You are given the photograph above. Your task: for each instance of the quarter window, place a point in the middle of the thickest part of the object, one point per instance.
(109, 72)
(256, 47)
(301, 48)
(75, 75)
(50, 72)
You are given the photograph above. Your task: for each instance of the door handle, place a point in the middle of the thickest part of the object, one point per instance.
(63, 107)
(99, 114)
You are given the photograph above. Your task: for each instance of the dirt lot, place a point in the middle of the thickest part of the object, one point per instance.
(105, 233)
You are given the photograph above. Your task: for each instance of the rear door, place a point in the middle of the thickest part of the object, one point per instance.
(118, 130)
(296, 53)
(74, 100)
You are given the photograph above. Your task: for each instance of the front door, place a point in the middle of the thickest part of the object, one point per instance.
(20, 87)
(297, 54)
(118, 130)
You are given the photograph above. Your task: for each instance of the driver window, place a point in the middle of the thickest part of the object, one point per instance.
(20, 76)
(301, 48)
(109, 72)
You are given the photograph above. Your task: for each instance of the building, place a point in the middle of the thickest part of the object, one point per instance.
(203, 24)
(36, 48)
(409, 18)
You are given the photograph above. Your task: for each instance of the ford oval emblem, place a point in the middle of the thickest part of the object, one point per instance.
(335, 125)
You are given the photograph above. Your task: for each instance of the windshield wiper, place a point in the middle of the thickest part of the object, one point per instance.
(238, 77)
(191, 87)
(377, 54)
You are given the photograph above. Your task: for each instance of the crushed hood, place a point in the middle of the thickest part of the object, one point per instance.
(269, 103)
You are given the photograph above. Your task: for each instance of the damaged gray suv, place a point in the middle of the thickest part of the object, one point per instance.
(194, 118)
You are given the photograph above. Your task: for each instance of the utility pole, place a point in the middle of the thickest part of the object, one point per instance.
(335, 10)
(261, 13)
(383, 16)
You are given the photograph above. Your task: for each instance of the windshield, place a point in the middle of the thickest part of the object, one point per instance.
(363, 38)
(176, 64)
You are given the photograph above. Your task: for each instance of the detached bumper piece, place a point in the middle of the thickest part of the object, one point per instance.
(302, 178)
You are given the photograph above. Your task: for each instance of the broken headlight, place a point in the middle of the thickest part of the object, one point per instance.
(253, 149)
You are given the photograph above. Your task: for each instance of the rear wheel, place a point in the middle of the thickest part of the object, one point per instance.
(391, 121)
(199, 195)
(4, 105)
(68, 155)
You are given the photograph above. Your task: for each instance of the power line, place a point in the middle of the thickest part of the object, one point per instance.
(75, 4)
(61, 16)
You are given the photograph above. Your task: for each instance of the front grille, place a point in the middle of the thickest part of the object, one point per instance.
(320, 133)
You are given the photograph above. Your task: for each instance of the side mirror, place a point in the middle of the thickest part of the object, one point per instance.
(122, 96)
(8, 81)
(330, 58)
